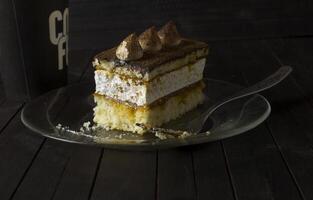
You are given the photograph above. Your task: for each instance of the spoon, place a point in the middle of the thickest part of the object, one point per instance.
(194, 126)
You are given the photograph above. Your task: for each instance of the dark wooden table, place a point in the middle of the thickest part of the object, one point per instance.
(272, 161)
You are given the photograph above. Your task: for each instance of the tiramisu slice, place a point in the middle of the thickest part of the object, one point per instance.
(148, 80)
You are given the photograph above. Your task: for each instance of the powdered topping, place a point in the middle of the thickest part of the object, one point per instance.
(129, 49)
(169, 35)
(150, 41)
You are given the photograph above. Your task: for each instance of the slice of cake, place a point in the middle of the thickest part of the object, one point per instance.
(148, 80)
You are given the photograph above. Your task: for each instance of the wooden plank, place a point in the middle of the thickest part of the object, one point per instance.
(197, 181)
(211, 174)
(64, 161)
(60, 170)
(18, 147)
(63, 170)
(145, 165)
(45, 172)
(296, 53)
(8, 110)
(198, 172)
(125, 175)
(2, 92)
(114, 182)
(211, 170)
(23, 173)
(255, 163)
(192, 179)
(176, 175)
(257, 168)
(78, 176)
(292, 138)
(287, 136)
(291, 124)
(56, 167)
(72, 167)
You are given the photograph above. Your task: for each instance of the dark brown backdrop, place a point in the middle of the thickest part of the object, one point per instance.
(100, 24)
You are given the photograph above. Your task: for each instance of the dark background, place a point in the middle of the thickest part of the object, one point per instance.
(96, 25)
(248, 39)
(101, 24)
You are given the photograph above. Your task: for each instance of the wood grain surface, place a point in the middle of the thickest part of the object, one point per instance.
(248, 41)
(272, 161)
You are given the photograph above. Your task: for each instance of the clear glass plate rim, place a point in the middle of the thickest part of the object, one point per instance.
(198, 139)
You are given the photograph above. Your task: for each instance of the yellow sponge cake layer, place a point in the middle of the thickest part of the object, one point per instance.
(115, 115)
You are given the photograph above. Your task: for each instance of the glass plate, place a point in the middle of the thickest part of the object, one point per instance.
(72, 106)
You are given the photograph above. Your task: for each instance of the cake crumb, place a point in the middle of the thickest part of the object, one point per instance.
(161, 135)
(184, 135)
(86, 124)
(59, 126)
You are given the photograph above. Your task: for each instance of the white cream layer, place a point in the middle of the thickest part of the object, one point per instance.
(139, 93)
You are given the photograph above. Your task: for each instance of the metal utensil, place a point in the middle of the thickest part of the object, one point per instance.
(195, 126)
